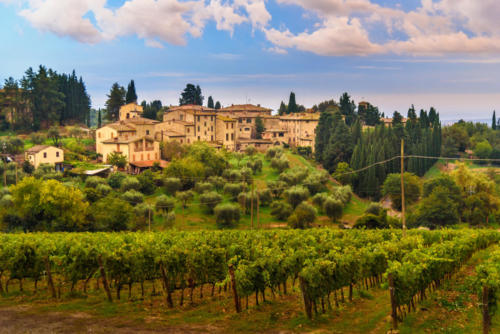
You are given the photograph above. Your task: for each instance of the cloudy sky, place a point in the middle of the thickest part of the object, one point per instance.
(444, 53)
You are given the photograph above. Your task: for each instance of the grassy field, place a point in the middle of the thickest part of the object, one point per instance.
(453, 308)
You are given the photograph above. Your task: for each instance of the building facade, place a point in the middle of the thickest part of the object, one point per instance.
(43, 154)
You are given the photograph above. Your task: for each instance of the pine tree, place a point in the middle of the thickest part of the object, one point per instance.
(292, 104)
(347, 108)
(494, 121)
(210, 102)
(191, 95)
(259, 127)
(131, 94)
(199, 97)
(356, 131)
(340, 145)
(323, 131)
(283, 109)
(217, 105)
(99, 119)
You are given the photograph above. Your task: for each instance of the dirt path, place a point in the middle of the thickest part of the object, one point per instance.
(23, 319)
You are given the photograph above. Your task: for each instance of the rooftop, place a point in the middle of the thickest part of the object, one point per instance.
(123, 140)
(246, 107)
(38, 148)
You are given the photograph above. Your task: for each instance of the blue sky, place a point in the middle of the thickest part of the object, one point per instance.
(444, 53)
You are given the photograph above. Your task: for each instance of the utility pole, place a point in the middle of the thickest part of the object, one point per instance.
(251, 204)
(403, 218)
(149, 218)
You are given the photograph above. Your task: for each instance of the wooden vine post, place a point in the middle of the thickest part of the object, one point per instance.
(237, 304)
(307, 301)
(486, 311)
(394, 309)
(50, 281)
(104, 279)
(167, 287)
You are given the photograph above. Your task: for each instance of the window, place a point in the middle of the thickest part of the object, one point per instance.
(247, 129)
(187, 130)
(57, 154)
(249, 120)
(212, 118)
(147, 132)
(232, 136)
(99, 135)
(227, 126)
(227, 136)
(198, 137)
(181, 116)
(45, 154)
(133, 157)
(240, 120)
(205, 123)
(232, 125)
(211, 138)
(198, 128)
(181, 141)
(189, 140)
(198, 118)
(212, 128)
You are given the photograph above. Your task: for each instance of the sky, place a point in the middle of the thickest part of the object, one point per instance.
(441, 53)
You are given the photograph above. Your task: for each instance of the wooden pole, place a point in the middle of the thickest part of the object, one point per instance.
(394, 310)
(403, 218)
(149, 218)
(237, 304)
(251, 204)
(104, 279)
(486, 311)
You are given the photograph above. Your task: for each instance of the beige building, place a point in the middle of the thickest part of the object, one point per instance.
(300, 128)
(135, 148)
(131, 110)
(43, 154)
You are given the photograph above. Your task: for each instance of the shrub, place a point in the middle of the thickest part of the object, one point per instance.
(294, 176)
(333, 209)
(281, 210)
(315, 183)
(115, 180)
(296, 195)
(232, 175)
(91, 194)
(217, 181)
(265, 197)
(274, 152)
(172, 185)
(203, 187)
(6, 201)
(245, 201)
(130, 183)
(277, 188)
(143, 214)
(392, 188)
(111, 214)
(319, 199)
(227, 215)
(37, 138)
(234, 189)
(343, 194)
(280, 163)
(103, 189)
(185, 197)
(94, 181)
(255, 165)
(374, 209)
(133, 197)
(28, 168)
(246, 175)
(164, 204)
(370, 222)
(303, 216)
(250, 150)
(210, 200)
(146, 181)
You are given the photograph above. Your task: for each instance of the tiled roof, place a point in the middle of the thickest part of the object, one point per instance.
(123, 140)
(38, 148)
(246, 107)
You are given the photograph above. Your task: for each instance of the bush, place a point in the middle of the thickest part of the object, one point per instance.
(296, 195)
(265, 197)
(250, 150)
(146, 181)
(94, 181)
(185, 197)
(143, 214)
(333, 209)
(274, 152)
(164, 204)
(392, 188)
(91, 195)
(130, 183)
(281, 210)
(172, 185)
(37, 138)
(319, 199)
(245, 201)
(255, 165)
(246, 175)
(294, 176)
(277, 188)
(133, 197)
(210, 200)
(374, 209)
(315, 183)
(111, 214)
(303, 216)
(227, 215)
(234, 189)
(343, 194)
(232, 175)
(217, 181)
(371, 222)
(6, 201)
(28, 168)
(115, 180)
(203, 187)
(280, 164)
(103, 189)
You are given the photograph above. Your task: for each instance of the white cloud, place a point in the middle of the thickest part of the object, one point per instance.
(277, 50)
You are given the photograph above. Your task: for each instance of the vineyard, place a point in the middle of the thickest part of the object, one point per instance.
(246, 267)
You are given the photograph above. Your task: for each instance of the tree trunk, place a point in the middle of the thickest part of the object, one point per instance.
(235, 291)
(486, 311)
(167, 287)
(307, 302)
(394, 312)
(50, 281)
(104, 279)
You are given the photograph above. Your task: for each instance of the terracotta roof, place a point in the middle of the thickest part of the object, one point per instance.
(225, 118)
(141, 121)
(256, 141)
(172, 133)
(123, 140)
(38, 148)
(180, 122)
(119, 126)
(191, 108)
(301, 116)
(149, 163)
(246, 107)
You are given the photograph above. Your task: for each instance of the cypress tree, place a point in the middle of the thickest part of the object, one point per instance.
(210, 102)
(116, 99)
(323, 131)
(217, 105)
(99, 119)
(356, 131)
(340, 145)
(283, 109)
(131, 94)
(292, 104)
(494, 121)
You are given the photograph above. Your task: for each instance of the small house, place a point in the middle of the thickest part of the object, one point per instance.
(44, 154)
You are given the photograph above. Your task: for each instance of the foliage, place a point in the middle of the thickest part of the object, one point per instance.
(280, 164)
(94, 181)
(203, 187)
(115, 180)
(281, 210)
(111, 214)
(191, 95)
(146, 181)
(296, 195)
(259, 127)
(164, 204)
(133, 197)
(130, 183)
(185, 197)
(303, 216)
(233, 189)
(392, 188)
(333, 209)
(227, 215)
(172, 185)
(116, 99)
(210, 200)
(131, 95)
(117, 159)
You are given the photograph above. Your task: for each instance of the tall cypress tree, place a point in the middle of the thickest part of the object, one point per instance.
(99, 119)
(494, 121)
(131, 94)
(323, 131)
(282, 110)
(340, 145)
(116, 98)
(210, 102)
(217, 105)
(292, 104)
